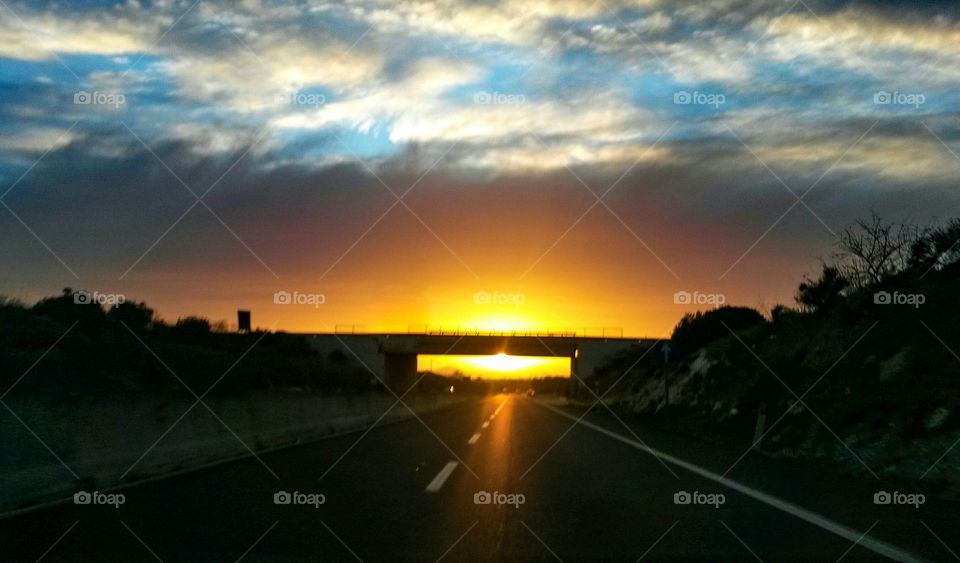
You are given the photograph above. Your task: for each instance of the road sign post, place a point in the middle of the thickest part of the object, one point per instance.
(667, 349)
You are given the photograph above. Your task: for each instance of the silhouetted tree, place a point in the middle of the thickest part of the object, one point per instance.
(780, 312)
(873, 249)
(823, 293)
(936, 248)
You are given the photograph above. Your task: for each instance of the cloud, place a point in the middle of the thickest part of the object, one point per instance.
(508, 21)
(902, 51)
(36, 140)
(704, 56)
(593, 120)
(248, 79)
(420, 91)
(37, 36)
(859, 30)
(536, 158)
(207, 139)
(904, 159)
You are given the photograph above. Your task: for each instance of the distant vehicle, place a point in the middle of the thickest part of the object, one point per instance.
(530, 392)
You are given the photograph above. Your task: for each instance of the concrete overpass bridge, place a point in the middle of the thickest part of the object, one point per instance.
(393, 356)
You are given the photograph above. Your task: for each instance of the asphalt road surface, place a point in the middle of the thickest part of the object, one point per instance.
(505, 478)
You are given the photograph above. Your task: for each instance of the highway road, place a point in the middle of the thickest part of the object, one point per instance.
(559, 490)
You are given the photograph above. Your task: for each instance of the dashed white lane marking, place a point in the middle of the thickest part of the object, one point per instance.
(473, 439)
(441, 477)
(858, 538)
(494, 415)
(485, 424)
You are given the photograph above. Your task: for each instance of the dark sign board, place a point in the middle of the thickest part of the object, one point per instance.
(243, 321)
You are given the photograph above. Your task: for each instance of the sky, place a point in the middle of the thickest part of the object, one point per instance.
(591, 166)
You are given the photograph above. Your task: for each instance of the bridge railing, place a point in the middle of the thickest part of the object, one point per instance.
(543, 332)
(587, 332)
(349, 329)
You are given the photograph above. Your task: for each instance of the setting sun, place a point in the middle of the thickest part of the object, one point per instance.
(496, 366)
(503, 362)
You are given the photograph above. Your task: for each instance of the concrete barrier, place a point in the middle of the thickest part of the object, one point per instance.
(104, 443)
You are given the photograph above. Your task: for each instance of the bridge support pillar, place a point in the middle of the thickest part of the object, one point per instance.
(401, 371)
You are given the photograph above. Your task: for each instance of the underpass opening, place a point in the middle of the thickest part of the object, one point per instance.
(495, 366)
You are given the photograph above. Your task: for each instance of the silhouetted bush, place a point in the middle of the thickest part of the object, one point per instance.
(696, 330)
(191, 329)
(96, 353)
(137, 316)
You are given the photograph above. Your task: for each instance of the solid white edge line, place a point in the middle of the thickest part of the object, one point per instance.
(441, 477)
(473, 439)
(872, 544)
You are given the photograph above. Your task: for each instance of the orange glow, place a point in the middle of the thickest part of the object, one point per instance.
(399, 277)
(499, 366)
